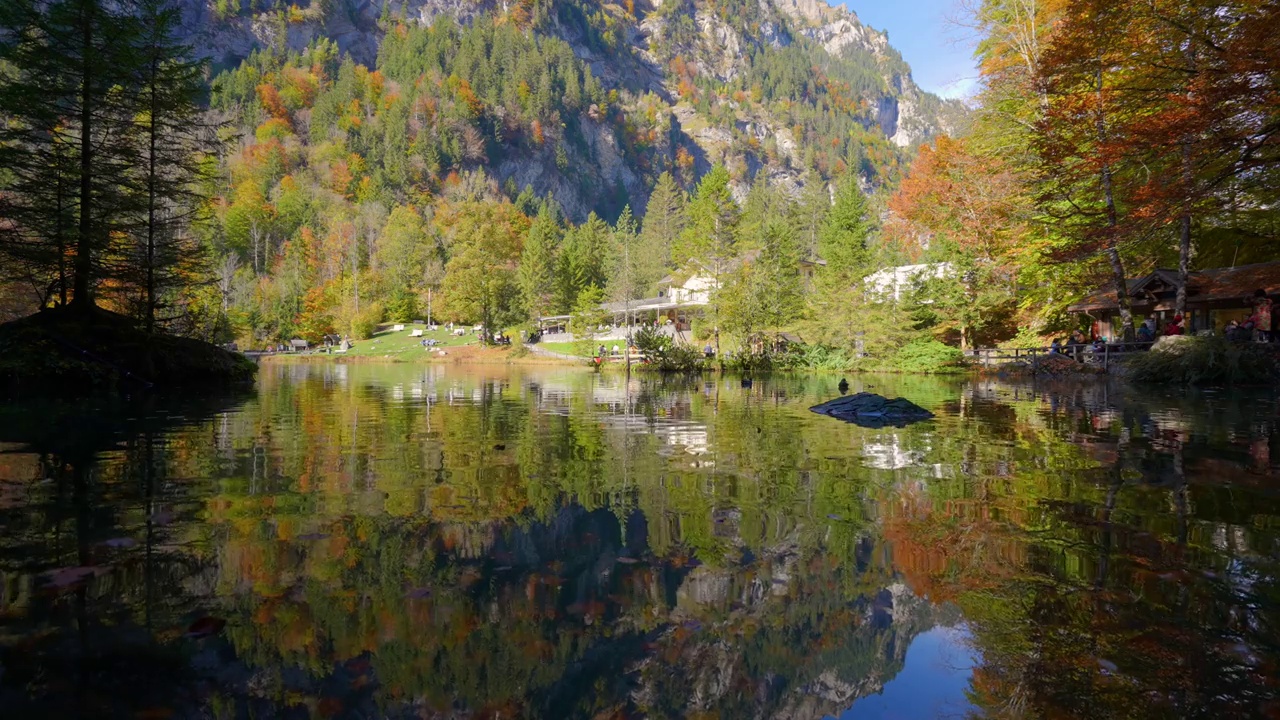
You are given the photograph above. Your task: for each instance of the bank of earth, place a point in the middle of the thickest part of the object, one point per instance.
(73, 351)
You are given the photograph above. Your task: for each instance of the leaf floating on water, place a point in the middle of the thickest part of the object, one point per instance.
(419, 593)
(120, 542)
(205, 627)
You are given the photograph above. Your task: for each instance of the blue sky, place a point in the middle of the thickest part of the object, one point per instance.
(939, 52)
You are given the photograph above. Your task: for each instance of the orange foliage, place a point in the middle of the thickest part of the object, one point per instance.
(270, 99)
(973, 200)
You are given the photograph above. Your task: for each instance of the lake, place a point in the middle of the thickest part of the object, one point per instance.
(400, 541)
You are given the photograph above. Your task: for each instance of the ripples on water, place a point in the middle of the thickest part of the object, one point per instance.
(446, 542)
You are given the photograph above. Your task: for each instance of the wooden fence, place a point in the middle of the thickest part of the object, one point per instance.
(1081, 353)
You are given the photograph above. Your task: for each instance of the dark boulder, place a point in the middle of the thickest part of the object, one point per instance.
(871, 410)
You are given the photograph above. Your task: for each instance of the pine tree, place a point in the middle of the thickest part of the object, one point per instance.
(811, 213)
(67, 143)
(708, 240)
(537, 275)
(171, 137)
(664, 220)
(844, 235)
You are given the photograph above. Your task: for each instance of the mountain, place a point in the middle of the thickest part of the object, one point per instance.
(589, 101)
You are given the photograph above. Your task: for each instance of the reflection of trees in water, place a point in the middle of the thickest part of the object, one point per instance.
(1126, 580)
(91, 566)
(435, 543)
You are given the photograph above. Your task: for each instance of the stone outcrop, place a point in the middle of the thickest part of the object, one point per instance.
(871, 410)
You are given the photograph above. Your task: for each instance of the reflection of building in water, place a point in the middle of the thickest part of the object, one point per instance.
(888, 453)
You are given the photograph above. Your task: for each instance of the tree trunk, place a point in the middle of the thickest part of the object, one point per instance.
(151, 199)
(1188, 180)
(82, 268)
(1113, 222)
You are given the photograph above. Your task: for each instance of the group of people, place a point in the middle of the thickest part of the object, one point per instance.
(1257, 327)
(1077, 344)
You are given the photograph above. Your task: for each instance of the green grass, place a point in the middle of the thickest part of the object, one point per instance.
(564, 348)
(398, 344)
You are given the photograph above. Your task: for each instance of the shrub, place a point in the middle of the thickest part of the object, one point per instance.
(665, 355)
(815, 357)
(364, 324)
(927, 355)
(1204, 360)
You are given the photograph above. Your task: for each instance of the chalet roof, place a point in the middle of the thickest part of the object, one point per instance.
(1219, 287)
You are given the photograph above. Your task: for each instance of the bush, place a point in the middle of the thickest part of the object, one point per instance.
(364, 324)
(665, 355)
(815, 357)
(927, 355)
(1203, 361)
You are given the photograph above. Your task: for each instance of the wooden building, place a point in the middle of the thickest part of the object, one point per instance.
(1215, 297)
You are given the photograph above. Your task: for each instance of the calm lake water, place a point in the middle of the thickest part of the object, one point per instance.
(438, 542)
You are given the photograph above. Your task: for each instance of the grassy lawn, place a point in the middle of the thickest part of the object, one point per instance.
(398, 343)
(564, 348)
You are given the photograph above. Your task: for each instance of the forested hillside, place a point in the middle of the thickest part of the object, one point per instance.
(364, 172)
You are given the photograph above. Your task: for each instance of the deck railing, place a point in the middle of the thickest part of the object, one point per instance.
(1081, 353)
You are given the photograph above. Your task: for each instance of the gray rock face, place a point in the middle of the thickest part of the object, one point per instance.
(871, 410)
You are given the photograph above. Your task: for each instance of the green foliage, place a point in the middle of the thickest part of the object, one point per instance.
(539, 262)
(586, 319)
(366, 322)
(926, 355)
(1197, 360)
(817, 357)
(662, 354)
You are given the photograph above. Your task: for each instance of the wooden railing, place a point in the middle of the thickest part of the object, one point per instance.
(1081, 353)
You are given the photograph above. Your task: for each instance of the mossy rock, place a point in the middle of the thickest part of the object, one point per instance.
(69, 352)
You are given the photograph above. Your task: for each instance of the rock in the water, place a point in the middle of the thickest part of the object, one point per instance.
(872, 410)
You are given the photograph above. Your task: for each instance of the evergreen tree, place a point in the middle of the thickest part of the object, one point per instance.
(811, 213)
(538, 262)
(664, 220)
(708, 240)
(843, 239)
(171, 136)
(584, 260)
(67, 143)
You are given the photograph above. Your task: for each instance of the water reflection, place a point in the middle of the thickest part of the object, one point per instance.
(408, 541)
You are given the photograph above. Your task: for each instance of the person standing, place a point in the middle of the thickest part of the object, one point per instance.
(1261, 317)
